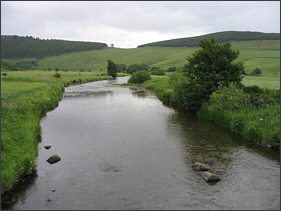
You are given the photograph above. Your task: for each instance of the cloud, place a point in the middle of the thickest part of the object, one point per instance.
(131, 23)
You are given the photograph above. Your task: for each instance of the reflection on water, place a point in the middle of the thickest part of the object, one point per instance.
(126, 150)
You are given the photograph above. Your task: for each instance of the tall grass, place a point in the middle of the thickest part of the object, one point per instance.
(255, 116)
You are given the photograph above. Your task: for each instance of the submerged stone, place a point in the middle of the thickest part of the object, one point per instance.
(200, 167)
(197, 158)
(210, 177)
(54, 159)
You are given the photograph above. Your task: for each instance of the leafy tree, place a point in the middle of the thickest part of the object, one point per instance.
(172, 69)
(132, 70)
(256, 71)
(121, 68)
(207, 69)
(111, 68)
(154, 68)
(139, 77)
(137, 67)
(57, 75)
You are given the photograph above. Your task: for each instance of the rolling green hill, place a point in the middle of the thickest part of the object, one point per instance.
(264, 54)
(221, 37)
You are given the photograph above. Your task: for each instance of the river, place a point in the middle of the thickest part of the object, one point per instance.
(122, 150)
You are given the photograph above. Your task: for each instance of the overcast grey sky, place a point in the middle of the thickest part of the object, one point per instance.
(128, 24)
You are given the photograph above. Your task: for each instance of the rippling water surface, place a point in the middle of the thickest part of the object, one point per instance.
(123, 150)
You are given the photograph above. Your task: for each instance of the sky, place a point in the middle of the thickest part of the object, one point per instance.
(127, 24)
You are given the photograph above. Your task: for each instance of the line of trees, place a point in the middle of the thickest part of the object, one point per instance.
(25, 47)
(221, 37)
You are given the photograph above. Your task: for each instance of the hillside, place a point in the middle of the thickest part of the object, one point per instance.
(264, 54)
(221, 37)
(25, 47)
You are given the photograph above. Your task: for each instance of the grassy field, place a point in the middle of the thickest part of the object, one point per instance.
(10, 87)
(262, 54)
(263, 82)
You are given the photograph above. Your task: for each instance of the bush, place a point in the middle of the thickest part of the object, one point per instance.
(177, 81)
(139, 77)
(57, 75)
(228, 99)
(256, 71)
(158, 72)
(4, 74)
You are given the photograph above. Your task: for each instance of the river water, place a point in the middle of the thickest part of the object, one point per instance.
(125, 150)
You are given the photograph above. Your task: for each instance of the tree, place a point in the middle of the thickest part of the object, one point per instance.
(207, 69)
(121, 68)
(137, 67)
(172, 69)
(256, 71)
(111, 68)
(139, 77)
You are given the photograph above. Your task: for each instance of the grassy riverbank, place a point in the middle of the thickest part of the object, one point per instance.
(25, 97)
(257, 118)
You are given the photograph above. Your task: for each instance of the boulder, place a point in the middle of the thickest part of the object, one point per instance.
(210, 177)
(197, 158)
(200, 167)
(54, 159)
(47, 147)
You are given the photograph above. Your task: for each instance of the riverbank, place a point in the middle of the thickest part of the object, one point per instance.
(257, 120)
(21, 111)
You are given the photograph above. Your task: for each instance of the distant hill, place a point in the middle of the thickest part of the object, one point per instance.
(221, 37)
(26, 47)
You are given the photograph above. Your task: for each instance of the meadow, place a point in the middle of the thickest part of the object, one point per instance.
(255, 54)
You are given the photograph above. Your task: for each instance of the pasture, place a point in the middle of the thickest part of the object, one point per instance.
(255, 54)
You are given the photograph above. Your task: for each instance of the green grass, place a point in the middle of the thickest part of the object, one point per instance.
(262, 54)
(9, 87)
(263, 82)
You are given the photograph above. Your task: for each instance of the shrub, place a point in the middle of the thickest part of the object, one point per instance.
(228, 99)
(4, 74)
(139, 77)
(57, 75)
(177, 81)
(256, 71)
(158, 72)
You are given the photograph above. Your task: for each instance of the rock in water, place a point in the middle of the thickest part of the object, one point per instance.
(200, 167)
(210, 177)
(197, 158)
(54, 159)
(47, 147)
